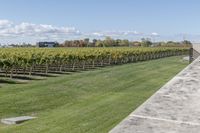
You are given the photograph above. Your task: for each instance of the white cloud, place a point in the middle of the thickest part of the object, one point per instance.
(97, 34)
(154, 34)
(30, 32)
(116, 33)
(5, 24)
(132, 33)
(9, 29)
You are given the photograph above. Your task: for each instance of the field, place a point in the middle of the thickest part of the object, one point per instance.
(28, 61)
(85, 101)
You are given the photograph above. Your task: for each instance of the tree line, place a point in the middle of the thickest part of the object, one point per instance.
(110, 42)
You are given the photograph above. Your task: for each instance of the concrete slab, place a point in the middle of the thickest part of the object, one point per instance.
(16, 120)
(146, 125)
(174, 108)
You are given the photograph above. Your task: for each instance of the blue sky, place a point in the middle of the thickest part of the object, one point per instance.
(35, 20)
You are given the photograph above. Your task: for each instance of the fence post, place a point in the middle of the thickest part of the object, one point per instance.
(190, 55)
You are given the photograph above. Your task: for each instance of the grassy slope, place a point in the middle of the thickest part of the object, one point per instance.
(92, 101)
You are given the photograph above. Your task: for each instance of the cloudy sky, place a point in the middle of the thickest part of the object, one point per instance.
(59, 20)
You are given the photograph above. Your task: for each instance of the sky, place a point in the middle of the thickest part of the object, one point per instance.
(59, 20)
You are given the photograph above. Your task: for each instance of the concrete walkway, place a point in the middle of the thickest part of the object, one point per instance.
(175, 108)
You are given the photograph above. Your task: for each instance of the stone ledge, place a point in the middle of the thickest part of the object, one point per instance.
(173, 108)
(16, 120)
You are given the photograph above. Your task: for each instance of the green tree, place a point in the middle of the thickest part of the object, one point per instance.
(125, 42)
(86, 41)
(118, 42)
(146, 42)
(186, 43)
(99, 43)
(108, 42)
(94, 41)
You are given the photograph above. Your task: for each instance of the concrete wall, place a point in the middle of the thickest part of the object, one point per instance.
(196, 46)
(195, 51)
(174, 108)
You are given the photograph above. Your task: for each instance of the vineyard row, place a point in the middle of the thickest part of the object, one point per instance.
(44, 60)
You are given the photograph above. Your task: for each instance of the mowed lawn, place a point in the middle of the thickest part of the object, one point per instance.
(85, 102)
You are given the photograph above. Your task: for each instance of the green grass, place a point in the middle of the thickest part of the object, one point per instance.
(86, 102)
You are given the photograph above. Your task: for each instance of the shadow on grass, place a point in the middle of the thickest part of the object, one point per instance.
(63, 72)
(7, 81)
(22, 77)
(44, 75)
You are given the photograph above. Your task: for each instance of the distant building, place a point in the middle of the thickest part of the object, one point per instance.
(47, 44)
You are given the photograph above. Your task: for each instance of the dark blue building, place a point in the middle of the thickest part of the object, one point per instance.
(47, 44)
